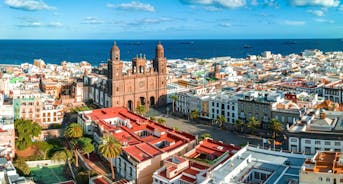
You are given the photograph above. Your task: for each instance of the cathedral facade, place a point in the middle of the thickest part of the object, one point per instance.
(140, 85)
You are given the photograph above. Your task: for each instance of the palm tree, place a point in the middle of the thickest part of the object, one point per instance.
(161, 121)
(73, 132)
(253, 124)
(110, 148)
(275, 126)
(62, 155)
(174, 99)
(239, 124)
(141, 110)
(194, 114)
(204, 136)
(221, 119)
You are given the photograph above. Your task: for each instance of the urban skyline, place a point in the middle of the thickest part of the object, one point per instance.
(171, 19)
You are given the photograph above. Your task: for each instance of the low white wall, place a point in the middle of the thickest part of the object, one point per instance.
(40, 163)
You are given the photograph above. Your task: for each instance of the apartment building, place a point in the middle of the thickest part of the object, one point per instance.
(7, 133)
(334, 91)
(324, 167)
(317, 130)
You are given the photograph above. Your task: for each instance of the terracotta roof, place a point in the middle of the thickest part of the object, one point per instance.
(188, 179)
(139, 147)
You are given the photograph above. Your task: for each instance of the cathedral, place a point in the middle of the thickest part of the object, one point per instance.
(140, 85)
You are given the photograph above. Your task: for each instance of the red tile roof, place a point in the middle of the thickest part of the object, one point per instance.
(188, 179)
(140, 148)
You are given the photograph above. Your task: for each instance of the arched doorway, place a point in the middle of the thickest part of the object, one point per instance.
(129, 105)
(142, 100)
(152, 101)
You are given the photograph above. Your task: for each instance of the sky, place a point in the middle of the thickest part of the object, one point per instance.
(170, 19)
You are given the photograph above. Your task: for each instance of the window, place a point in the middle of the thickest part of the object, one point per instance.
(320, 179)
(316, 142)
(337, 143)
(307, 141)
(327, 179)
(233, 107)
(294, 140)
(327, 143)
(130, 171)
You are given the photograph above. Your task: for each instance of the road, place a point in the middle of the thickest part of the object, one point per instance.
(229, 137)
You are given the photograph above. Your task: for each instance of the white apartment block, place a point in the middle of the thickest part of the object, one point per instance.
(312, 145)
(223, 104)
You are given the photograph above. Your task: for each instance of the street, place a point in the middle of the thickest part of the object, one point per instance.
(228, 137)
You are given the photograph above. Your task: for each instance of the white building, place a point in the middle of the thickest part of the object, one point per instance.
(317, 131)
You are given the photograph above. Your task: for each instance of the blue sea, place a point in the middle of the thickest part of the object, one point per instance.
(97, 51)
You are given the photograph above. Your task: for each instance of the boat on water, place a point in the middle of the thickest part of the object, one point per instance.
(291, 42)
(247, 46)
(187, 42)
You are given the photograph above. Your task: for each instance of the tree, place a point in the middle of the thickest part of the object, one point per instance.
(239, 124)
(43, 147)
(152, 118)
(221, 119)
(161, 121)
(110, 148)
(25, 131)
(204, 136)
(174, 99)
(86, 146)
(253, 124)
(275, 126)
(176, 128)
(21, 167)
(73, 132)
(62, 155)
(194, 114)
(141, 110)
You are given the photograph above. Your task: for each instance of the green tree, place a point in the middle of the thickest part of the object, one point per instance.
(194, 114)
(161, 121)
(62, 155)
(141, 110)
(152, 118)
(44, 147)
(22, 167)
(110, 148)
(73, 132)
(221, 120)
(176, 128)
(275, 126)
(174, 99)
(239, 125)
(205, 135)
(25, 131)
(86, 146)
(253, 124)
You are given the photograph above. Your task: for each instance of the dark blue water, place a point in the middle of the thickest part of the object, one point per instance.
(95, 51)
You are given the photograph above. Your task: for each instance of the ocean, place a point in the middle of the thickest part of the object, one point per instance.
(97, 51)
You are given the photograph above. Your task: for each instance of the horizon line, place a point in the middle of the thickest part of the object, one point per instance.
(72, 39)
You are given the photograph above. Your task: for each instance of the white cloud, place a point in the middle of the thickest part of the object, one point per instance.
(225, 24)
(223, 3)
(324, 20)
(133, 5)
(31, 23)
(294, 22)
(148, 21)
(271, 3)
(254, 2)
(92, 20)
(28, 5)
(325, 3)
(318, 13)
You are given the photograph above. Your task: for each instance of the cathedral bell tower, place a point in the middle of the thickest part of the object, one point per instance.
(114, 67)
(160, 62)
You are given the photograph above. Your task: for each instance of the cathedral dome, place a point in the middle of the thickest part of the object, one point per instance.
(115, 52)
